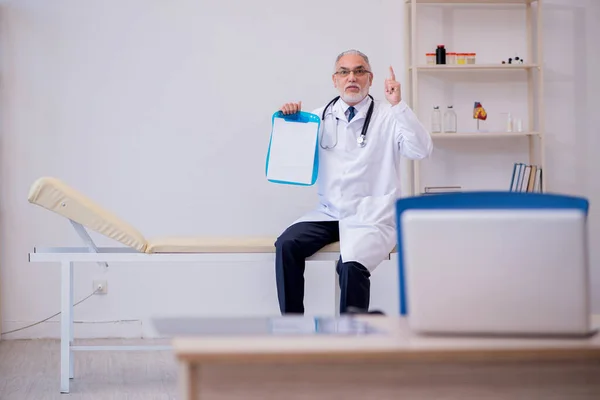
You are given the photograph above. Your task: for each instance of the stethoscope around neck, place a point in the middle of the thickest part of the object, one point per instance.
(362, 139)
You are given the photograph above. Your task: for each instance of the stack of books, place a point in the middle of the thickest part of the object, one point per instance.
(526, 178)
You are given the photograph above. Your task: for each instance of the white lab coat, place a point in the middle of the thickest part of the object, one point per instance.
(359, 186)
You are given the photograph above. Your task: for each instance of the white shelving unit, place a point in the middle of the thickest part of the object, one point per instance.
(533, 70)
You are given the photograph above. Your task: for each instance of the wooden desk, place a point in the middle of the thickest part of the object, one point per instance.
(395, 366)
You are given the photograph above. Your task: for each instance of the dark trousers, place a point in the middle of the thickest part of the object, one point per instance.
(302, 240)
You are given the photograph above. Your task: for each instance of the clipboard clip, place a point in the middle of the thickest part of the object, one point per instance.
(296, 117)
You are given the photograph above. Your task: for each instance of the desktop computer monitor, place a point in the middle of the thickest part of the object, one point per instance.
(495, 271)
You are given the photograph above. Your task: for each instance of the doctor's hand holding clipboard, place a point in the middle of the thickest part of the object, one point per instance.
(291, 108)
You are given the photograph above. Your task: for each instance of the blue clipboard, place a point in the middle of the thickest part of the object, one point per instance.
(293, 155)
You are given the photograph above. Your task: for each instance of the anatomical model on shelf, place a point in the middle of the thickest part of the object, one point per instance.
(479, 114)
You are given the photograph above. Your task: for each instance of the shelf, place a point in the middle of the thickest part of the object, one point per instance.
(472, 1)
(481, 135)
(474, 67)
(474, 78)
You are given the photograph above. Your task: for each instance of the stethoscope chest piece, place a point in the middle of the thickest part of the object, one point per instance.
(362, 141)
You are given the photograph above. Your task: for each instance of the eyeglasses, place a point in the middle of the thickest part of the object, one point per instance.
(357, 72)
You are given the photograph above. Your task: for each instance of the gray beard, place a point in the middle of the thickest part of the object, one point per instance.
(354, 98)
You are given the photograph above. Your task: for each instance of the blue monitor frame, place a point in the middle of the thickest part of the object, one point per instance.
(499, 200)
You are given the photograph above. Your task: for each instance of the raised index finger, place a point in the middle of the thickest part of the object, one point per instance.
(392, 75)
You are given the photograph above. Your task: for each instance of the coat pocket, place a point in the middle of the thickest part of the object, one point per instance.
(376, 210)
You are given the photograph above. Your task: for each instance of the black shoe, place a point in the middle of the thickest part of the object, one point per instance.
(357, 310)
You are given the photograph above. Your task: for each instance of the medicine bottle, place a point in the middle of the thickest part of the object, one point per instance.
(440, 54)
(450, 120)
(430, 58)
(436, 120)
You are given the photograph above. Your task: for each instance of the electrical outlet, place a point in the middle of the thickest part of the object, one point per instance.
(101, 287)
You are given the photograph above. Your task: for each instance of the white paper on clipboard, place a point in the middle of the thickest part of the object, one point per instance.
(293, 156)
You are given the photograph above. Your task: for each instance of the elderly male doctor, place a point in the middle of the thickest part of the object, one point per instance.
(358, 185)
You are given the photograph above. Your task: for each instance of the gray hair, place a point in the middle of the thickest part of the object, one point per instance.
(354, 52)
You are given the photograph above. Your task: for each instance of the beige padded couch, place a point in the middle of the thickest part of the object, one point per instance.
(55, 195)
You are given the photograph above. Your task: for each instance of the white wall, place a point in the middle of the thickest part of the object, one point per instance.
(160, 110)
